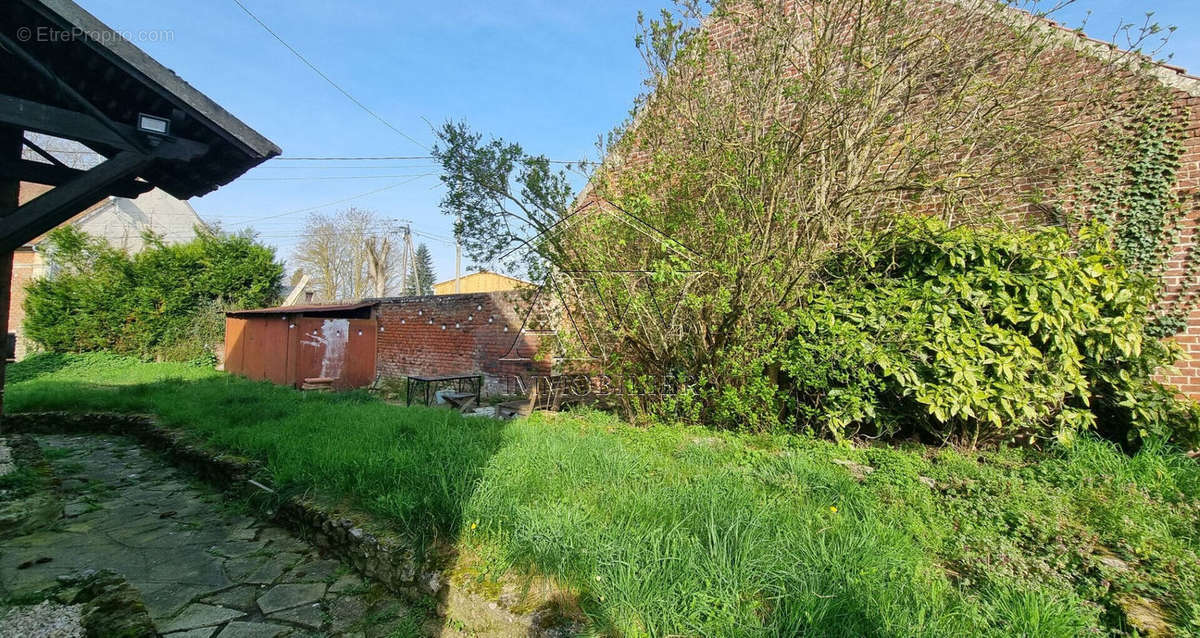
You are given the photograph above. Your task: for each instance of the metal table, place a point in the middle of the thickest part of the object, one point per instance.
(429, 380)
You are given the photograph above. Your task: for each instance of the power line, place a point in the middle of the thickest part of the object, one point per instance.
(310, 208)
(326, 77)
(365, 167)
(327, 177)
(344, 159)
(383, 225)
(375, 158)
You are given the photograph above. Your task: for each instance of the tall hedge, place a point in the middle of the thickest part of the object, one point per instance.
(151, 304)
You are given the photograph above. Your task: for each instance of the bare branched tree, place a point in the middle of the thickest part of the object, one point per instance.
(348, 255)
(379, 253)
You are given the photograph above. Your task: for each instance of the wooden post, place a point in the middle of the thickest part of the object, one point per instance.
(10, 194)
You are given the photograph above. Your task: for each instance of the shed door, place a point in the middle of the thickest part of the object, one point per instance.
(234, 350)
(339, 349)
(257, 347)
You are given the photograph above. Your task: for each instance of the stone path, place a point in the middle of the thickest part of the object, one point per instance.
(203, 569)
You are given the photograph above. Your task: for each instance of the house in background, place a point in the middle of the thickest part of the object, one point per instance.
(482, 281)
(119, 220)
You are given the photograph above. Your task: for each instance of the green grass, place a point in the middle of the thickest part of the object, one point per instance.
(684, 531)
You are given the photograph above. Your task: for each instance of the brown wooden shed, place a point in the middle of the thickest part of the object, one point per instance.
(289, 344)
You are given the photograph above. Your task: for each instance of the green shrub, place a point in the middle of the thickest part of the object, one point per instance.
(162, 302)
(989, 333)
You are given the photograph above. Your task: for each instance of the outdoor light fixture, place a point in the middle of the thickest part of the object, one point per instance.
(153, 124)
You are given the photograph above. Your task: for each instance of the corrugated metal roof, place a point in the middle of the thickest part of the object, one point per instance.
(297, 310)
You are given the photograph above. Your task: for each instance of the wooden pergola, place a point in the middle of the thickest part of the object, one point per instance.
(66, 74)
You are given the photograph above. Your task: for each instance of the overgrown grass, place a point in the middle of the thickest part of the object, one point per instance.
(686, 531)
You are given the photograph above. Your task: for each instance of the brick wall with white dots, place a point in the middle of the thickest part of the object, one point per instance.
(486, 333)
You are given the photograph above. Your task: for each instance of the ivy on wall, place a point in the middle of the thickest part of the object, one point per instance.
(1139, 201)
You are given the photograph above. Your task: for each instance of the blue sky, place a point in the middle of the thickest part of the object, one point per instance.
(551, 75)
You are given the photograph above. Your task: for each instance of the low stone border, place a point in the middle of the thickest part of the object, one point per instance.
(366, 546)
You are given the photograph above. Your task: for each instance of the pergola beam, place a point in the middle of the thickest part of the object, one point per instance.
(50, 209)
(51, 120)
(53, 175)
(81, 127)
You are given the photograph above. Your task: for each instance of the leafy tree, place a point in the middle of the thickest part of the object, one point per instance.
(425, 273)
(100, 298)
(505, 200)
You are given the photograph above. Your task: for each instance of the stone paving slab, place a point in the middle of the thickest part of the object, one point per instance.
(204, 569)
(252, 630)
(200, 615)
(203, 632)
(290, 595)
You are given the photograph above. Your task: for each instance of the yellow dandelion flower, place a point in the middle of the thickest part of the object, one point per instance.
(833, 508)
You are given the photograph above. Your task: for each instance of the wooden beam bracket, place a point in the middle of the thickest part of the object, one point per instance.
(54, 175)
(59, 204)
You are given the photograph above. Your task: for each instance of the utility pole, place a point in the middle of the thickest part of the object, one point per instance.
(408, 261)
(457, 260)
(404, 262)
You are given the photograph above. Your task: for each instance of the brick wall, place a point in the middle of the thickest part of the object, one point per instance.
(1188, 377)
(27, 265)
(444, 334)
